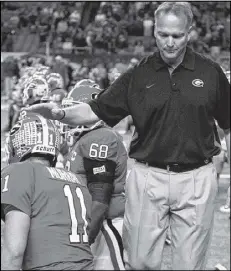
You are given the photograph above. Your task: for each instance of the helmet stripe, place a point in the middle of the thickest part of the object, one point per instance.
(45, 130)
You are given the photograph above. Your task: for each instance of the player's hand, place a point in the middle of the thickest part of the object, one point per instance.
(47, 110)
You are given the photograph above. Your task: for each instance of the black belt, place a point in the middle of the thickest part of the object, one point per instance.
(175, 167)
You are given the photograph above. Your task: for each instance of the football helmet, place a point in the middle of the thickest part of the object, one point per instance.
(35, 91)
(54, 80)
(39, 74)
(57, 95)
(23, 81)
(33, 134)
(29, 71)
(87, 82)
(44, 70)
(79, 94)
(113, 74)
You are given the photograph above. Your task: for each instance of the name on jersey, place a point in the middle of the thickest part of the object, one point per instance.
(98, 170)
(63, 175)
(44, 149)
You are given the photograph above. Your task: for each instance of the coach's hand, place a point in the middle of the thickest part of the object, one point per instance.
(47, 110)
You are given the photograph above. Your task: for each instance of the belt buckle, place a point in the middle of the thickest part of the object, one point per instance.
(173, 167)
(176, 167)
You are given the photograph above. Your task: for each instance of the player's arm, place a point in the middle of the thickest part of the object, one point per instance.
(16, 192)
(100, 177)
(17, 225)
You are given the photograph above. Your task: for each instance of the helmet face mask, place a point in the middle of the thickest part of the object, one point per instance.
(32, 135)
(35, 91)
(54, 80)
(65, 131)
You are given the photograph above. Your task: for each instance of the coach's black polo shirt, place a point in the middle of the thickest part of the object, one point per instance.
(174, 116)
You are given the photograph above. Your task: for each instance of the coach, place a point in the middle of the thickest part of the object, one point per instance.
(174, 97)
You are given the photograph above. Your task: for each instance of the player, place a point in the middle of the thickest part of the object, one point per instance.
(65, 143)
(35, 91)
(46, 210)
(56, 87)
(14, 107)
(56, 95)
(99, 156)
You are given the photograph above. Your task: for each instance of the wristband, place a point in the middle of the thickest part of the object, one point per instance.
(64, 114)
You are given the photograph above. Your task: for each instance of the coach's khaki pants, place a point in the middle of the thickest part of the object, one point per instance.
(157, 199)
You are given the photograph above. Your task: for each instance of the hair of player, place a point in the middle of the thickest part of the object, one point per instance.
(176, 8)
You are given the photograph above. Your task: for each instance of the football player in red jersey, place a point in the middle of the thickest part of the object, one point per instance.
(97, 153)
(35, 91)
(46, 210)
(56, 87)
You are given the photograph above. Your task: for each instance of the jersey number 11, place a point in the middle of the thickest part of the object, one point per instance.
(75, 236)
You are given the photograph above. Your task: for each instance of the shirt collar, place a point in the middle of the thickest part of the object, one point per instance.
(188, 61)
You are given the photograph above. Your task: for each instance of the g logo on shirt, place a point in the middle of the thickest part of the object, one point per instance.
(198, 83)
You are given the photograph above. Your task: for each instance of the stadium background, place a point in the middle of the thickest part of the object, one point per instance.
(99, 40)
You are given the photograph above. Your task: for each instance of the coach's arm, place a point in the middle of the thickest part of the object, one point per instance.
(80, 114)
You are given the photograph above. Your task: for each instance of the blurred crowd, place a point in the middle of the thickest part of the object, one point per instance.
(111, 26)
(103, 73)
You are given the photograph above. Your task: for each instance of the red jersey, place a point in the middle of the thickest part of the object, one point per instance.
(102, 144)
(59, 205)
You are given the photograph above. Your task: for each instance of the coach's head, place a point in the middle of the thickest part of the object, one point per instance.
(172, 26)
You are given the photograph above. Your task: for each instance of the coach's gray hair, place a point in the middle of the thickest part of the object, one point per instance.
(176, 8)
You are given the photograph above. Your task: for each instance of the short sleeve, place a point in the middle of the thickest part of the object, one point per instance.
(102, 146)
(17, 187)
(222, 112)
(111, 104)
(99, 157)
